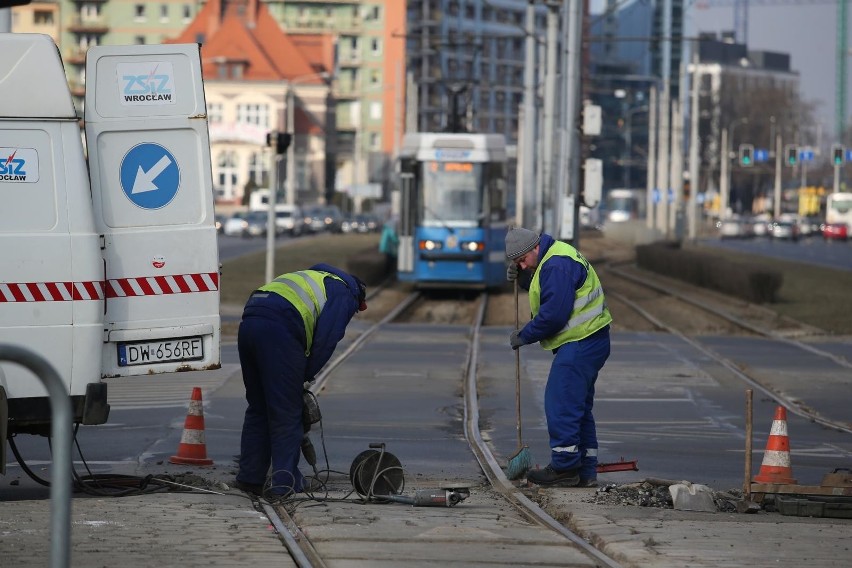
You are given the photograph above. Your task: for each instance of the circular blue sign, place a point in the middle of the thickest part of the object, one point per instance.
(150, 176)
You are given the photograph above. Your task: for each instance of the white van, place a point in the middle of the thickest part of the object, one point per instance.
(107, 269)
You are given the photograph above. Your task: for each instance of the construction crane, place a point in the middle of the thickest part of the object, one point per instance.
(841, 53)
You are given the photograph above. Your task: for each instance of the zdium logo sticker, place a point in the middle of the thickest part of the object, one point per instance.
(18, 165)
(151, 83)
(150, 176)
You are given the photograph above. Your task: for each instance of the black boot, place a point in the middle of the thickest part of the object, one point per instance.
(550, 477)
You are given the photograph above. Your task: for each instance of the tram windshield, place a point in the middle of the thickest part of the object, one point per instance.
(452, 194)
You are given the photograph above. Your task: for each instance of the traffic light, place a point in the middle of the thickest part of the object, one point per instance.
(791, 154)
(746, 155)
(838, 153)
(279, 140)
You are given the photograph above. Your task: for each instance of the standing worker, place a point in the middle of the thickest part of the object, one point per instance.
(289, 330)
(569, 317)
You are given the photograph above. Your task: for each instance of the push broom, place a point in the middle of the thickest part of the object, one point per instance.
(520, 463)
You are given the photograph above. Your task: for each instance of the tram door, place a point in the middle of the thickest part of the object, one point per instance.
(407, 224)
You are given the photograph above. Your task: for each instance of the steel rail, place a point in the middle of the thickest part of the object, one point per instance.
(843, 362)
(786, 402)
(491, 468)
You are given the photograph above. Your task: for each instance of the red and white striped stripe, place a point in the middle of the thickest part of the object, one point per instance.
(116, 288)
(51, 291)
(163, 285)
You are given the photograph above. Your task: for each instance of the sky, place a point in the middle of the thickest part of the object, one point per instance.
(807, 32)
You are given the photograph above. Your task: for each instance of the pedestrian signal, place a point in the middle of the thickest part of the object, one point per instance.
(838, 152)
(746, 155)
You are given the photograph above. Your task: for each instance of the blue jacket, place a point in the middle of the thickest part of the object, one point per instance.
(560, 278)
(342, 304)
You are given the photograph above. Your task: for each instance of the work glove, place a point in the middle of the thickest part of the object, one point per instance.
(512, 272)
(515, 339)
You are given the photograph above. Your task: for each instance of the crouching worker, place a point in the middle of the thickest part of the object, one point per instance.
(289, 330)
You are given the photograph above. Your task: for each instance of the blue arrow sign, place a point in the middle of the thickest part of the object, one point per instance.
(806, 155)
(150, 176)
(655, 195)
(670, 195)
(761, 155)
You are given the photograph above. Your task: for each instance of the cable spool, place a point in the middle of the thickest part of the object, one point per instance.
(375, 473)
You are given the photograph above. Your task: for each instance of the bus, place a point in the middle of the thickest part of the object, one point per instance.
(625, 205)
(453, 210)
(838, 208)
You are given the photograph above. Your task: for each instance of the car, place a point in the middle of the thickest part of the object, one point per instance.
(734, 229)
(288, 219)
(324, 218)
(256, 223)
(835, 231)
(785, 230)
(219, 222)
(235, 224)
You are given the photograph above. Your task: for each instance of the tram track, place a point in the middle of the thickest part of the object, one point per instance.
(645, 293)
(539, 536)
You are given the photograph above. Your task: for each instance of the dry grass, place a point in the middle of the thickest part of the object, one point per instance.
(243, 275)
(821, 297)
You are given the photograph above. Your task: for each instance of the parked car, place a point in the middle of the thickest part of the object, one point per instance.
(235, 224)
(835, 231)
(785, 230)
(219, 222)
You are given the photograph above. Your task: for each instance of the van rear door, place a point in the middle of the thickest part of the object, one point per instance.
(149, 157)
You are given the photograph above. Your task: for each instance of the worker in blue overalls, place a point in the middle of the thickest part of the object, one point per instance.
(570, 318)
(289, 330)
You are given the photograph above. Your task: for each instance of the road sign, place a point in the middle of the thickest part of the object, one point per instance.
(150, 176)
(655, 195)
(806, 155)
(761, 155)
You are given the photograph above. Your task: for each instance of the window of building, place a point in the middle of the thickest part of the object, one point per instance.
(139, 12)
(375, 77)
(257, 114)
(375, 140)
(89, 12)
(187, 12)
(139, 40)
(215, 113)
(376, 46)
(375, 110)
(226, 173)
(42, 17)
(259, 169)
(164, 13)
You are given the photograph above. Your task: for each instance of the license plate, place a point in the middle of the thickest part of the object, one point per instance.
(164, 351)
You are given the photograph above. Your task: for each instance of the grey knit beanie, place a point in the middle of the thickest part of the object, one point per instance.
(519, 242)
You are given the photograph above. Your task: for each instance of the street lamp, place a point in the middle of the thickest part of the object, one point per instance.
(727, 150)
(291, 128)
(629, 135)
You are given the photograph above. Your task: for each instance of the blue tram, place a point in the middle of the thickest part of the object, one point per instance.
(453, 210)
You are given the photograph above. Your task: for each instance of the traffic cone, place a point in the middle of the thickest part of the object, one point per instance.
(776, 461)
(193, 449)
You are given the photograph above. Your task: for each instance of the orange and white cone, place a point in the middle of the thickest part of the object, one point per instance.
(776, 461)
(193, 449)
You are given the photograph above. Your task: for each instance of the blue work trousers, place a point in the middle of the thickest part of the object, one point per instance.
(568, 400)
(272, 356)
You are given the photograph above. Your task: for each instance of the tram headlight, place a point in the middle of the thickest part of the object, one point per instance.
(431, 245)
(472, 246)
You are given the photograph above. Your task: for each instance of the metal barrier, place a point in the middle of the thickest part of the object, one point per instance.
(61, 427)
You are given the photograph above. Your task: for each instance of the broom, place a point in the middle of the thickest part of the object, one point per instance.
(520, 463)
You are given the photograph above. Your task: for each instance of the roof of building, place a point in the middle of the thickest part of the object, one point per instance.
(244, 33)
